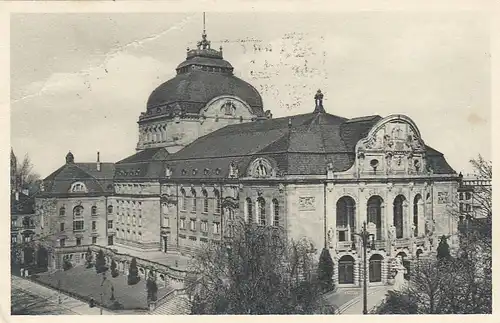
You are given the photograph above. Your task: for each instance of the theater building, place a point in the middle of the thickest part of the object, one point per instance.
(208, 153)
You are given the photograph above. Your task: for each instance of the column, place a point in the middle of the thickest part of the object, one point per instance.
(406, 223)
(356, 270)
(421, 217)
(383, 221)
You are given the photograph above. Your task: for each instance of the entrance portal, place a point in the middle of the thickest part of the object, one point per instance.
(346, 270)
(375, 268)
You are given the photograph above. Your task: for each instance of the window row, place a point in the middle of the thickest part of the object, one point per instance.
(134, 220)
(260, 215)
(193, 199)
(466, 196)
(204, 227)
(346, 217)
(78, 210)
(129, 235)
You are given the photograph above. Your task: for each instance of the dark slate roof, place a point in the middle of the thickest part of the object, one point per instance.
(299, 145)
(195, 89)
(23, 205)
(147, 163)
(96, 181)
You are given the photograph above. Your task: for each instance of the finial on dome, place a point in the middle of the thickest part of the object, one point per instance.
(70, 159)
(318, 99)
(204, 43)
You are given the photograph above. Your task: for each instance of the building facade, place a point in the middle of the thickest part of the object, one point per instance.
(208, 155)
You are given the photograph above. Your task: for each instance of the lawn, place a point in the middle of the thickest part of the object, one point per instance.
(86, 283)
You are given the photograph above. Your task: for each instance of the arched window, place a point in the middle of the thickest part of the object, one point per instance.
(205, 201)
(249, 210)
(110, 209)
(93, 210)
(62, 211)
(346, 270)
(78, 211)
(346, 226)
(261, 203)
(217, 201)
(276, 213)
(398, 216)
(417, 202)
(182, 199)
(374, 211)
(193, 200)
(375, 270)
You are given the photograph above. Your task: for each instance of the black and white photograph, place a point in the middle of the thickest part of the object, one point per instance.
(250, 162)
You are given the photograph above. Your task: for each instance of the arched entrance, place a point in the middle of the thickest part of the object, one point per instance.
(346, 270)
(375, 269)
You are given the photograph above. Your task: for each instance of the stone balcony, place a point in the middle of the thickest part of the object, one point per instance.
(403, 243)
(344, 245)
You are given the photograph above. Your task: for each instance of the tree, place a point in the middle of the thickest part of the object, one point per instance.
(133, 273)
(443, 249)
(24, 174)
(100, 262)
(257, 271)
(114, 271)
(325, 270)
(88, 258)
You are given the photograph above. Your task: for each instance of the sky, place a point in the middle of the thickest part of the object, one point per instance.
(80, 81)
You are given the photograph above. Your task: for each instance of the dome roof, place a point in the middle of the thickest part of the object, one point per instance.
(203, 76)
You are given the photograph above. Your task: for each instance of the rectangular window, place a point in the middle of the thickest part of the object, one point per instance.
(182, 223)
(78, 225)
(342, 235)
(216, 228)
(133, 220)
(166, 222)
(94, 240)
(78, 241)
(110, 224)
(94, 225)
(140, 220)
(192, 225)
(204, 226)
(61, 226)
(62, 242)
(110, 240)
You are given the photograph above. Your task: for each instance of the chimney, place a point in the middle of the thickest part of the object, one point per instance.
(98, 163)
(17, 195)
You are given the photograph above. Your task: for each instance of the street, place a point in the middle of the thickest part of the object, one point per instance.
(29, 298)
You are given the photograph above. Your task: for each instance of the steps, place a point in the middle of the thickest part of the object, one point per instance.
(177, 305)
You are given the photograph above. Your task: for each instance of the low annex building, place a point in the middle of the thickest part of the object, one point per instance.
(208, 153)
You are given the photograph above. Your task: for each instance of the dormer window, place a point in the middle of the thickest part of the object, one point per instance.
(78, 187)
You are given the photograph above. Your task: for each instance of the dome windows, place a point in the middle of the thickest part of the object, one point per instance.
(78, 187)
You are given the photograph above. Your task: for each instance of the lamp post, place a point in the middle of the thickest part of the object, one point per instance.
(365, 238)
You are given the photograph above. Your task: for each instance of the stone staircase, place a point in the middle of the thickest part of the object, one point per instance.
(174, 305)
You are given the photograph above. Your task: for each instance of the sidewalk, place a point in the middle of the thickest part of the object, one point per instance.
(67, 303)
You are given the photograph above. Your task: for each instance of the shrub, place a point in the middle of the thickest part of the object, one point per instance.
(67, 265)
(114, 271)
(100, 263)
(133, 273)
(325, 271)
(88, 258)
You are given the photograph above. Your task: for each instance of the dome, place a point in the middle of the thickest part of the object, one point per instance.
(203, 76)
